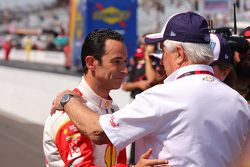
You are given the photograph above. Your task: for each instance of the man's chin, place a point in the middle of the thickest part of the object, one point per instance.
(116, 85)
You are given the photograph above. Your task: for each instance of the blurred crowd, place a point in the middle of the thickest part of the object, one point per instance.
(38, 40)
(43, 25)
(52, 19)
(145, 69)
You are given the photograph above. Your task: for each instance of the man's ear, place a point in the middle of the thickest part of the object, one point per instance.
(181, 56)
(90, 63)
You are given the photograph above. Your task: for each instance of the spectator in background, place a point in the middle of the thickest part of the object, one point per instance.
(27, 47)
(243, 68)
(223, 60)
(243, 86)
(139, 78)
(7, 47)
(138, 53)
(66, 51)
(157, 68)
(238, 76)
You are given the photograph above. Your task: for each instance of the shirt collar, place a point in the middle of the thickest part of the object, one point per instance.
(92, 97)
(186, 69)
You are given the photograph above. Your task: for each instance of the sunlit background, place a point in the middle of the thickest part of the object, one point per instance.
(45, 21)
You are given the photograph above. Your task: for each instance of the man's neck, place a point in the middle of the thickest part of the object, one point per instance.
(96, 86)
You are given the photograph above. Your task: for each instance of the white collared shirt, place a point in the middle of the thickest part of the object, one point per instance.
(193, 121)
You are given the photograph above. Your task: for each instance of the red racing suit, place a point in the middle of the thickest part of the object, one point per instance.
(64, 145)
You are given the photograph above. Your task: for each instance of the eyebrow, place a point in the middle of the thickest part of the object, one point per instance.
(118, 57)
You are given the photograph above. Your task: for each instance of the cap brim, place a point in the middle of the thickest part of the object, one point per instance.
(154, 38)
(157, 55)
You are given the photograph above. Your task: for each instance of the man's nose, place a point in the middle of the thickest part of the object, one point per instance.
(125, 70)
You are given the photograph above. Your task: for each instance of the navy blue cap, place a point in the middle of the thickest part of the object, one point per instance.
(183, 27)
(221, 48)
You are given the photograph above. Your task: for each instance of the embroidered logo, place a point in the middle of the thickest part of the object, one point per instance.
(172, 34)
(112, 121)
(212, 44)
(73, 136)
(110, 155)
(73, 128)
(74, 153)
(107, 104)
(208, 78)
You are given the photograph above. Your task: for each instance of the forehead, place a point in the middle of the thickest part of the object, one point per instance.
(114, 48)
(110, 42)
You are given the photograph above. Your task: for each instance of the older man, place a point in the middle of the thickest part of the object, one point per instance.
(193, 119)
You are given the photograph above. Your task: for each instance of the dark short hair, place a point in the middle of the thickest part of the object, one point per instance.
(94, 44)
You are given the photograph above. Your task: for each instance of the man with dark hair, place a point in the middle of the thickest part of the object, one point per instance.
(95, 44)
(104, 60)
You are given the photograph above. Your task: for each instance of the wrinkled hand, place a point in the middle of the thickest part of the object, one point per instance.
(56, 102)
(145, 162)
